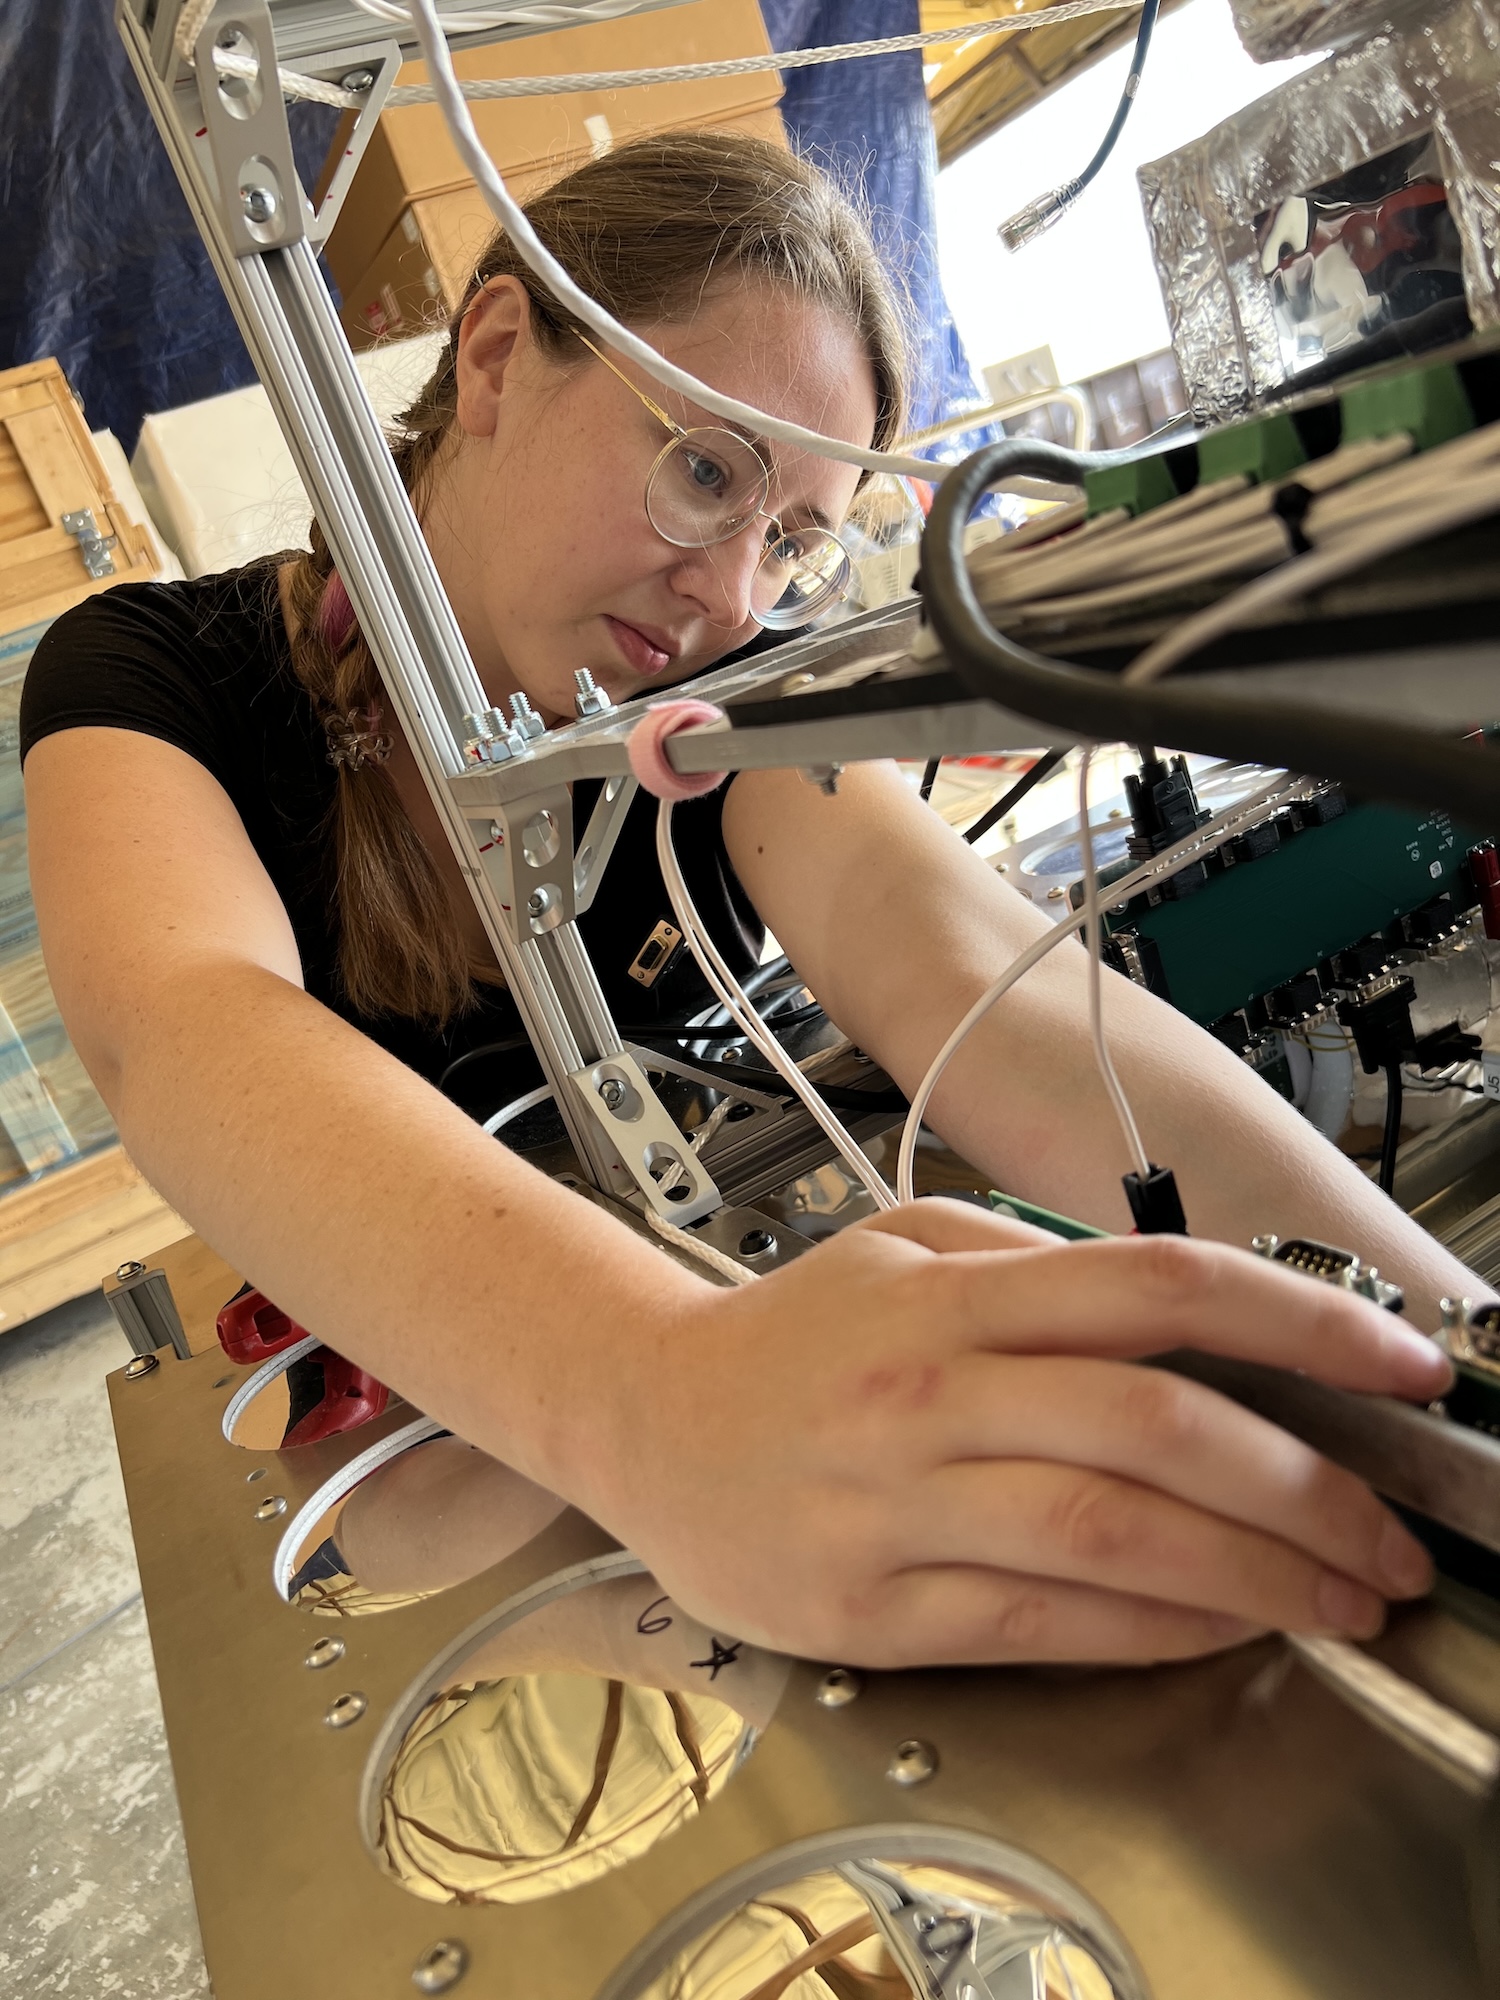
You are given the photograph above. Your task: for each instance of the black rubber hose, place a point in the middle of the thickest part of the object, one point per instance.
(1127, 98)
(1391, 1137)
(1407, 765)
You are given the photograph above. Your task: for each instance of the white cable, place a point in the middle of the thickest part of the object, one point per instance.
(540, 259)
(1093, 926)
(1224, 826)
(519, 1105)
(489, 88)
(733, 998)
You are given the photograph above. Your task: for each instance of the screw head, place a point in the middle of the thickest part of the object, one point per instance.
(259, 203)
(912, 1762)
(536, 902)
(345, 1709)
(757, 1243)
(734, 1055)
(612, 1093)
(133, 1269)
(323, 1653)
(440, 1967)
(839, 1686)
(357, 81)
(141, 1365)
(271, 1507)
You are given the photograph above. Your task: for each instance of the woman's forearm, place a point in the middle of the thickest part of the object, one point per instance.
(387, 1222)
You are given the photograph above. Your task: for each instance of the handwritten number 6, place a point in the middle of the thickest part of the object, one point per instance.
(648, 1626)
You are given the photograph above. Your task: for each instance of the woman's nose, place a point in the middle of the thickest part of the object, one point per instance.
(722, 578)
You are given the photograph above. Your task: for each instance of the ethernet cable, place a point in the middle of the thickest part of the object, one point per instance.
(733, 998)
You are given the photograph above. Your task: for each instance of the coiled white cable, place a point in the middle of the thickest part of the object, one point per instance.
(1093, 926)
(733, 998)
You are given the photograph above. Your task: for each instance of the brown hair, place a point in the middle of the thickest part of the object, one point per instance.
(644, 230)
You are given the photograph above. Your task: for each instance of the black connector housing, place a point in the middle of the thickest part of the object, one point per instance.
(1155, 1203)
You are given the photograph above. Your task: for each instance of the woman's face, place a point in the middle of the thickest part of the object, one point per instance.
(538, 520)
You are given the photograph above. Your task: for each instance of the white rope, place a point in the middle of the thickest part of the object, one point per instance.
(684, 1239)
(484, 88)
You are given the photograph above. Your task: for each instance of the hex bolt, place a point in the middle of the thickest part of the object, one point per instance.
(839, 1686)
(271, 1508)
(259, 203)
(440, 1967)
(141, 1365)
(590, 698)
(357, 81)
(345, 1709)
(323, 1653)
(912, 1763)
(526, 718)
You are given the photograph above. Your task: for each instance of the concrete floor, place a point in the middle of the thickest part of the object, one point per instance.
(94, 1892)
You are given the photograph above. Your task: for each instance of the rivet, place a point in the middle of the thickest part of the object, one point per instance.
(440, 1967)
(839, 1686)
(269, 1508)
(346, 1708)
(323, 1653)
(258, 1473)
(141, 1365)
(913, 1763)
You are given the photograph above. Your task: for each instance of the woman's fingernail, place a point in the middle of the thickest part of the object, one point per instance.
(1347, 1607)
(1404, 1565)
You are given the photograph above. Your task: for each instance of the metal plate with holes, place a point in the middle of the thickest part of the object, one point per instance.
(1228, 1830)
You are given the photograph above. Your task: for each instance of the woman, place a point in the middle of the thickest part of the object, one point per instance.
(919, 1442)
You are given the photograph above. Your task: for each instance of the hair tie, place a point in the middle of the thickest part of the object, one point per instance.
(336, 620)
(648, 757)
(357, 738)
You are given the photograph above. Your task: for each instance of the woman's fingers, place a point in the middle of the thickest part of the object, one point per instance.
(1163, 1431)
(1060, 1521)
(1131, 1296)
(968, 1614)
(938, 1223)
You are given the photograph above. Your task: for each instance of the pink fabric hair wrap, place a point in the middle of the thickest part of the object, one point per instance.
(648, 757)
(335, 614)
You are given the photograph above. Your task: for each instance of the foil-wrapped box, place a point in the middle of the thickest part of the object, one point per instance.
(1351, 215)
(1271, 30)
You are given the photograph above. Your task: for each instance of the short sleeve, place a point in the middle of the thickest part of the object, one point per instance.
(137, 657)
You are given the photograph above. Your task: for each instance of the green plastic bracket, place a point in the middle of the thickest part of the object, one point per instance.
(1264, 450)
(1431, 403)
(1011, 1205)
(1143, 484)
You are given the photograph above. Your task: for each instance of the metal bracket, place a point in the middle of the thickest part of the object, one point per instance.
(652, 1151)
(146, 1311)
(380, 61)
(526, 850)
(261, 203)
(92, 546)
(615, 800)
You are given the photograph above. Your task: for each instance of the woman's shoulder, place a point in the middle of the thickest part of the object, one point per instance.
(186, 661)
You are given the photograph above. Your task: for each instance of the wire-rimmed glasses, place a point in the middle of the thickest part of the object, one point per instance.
(707, 485)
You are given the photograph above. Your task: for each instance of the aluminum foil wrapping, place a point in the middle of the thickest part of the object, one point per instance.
(1273, 29)
(1357, 205)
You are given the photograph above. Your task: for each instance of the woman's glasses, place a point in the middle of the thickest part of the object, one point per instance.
(707, 485)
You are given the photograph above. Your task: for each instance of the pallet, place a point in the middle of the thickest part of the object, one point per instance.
(62, 1235)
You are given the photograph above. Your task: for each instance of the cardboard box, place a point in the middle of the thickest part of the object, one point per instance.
(411, 158)
(422, 269)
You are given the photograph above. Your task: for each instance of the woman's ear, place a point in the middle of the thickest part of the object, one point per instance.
(495, 331)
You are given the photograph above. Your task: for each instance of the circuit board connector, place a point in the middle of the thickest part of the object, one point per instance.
(1333, 1267)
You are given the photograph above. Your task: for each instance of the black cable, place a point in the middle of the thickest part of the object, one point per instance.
(929, 779)
(1401, 763)
(1391, 1138)
(1014, 796)
(1047, 208)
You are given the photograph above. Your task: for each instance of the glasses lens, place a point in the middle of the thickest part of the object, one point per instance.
(803, 571)
(705, 486)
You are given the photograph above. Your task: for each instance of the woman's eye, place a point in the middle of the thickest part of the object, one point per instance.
(707, 474)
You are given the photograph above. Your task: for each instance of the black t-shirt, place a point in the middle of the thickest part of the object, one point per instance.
(206, 667)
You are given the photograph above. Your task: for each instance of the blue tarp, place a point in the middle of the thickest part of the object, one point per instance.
(102, 266)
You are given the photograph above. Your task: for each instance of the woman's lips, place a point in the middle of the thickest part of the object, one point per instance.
(642, 655)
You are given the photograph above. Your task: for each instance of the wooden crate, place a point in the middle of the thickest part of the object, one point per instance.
(49, 468)
(64, 1233)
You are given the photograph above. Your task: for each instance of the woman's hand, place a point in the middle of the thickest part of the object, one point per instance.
(925, 1442)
